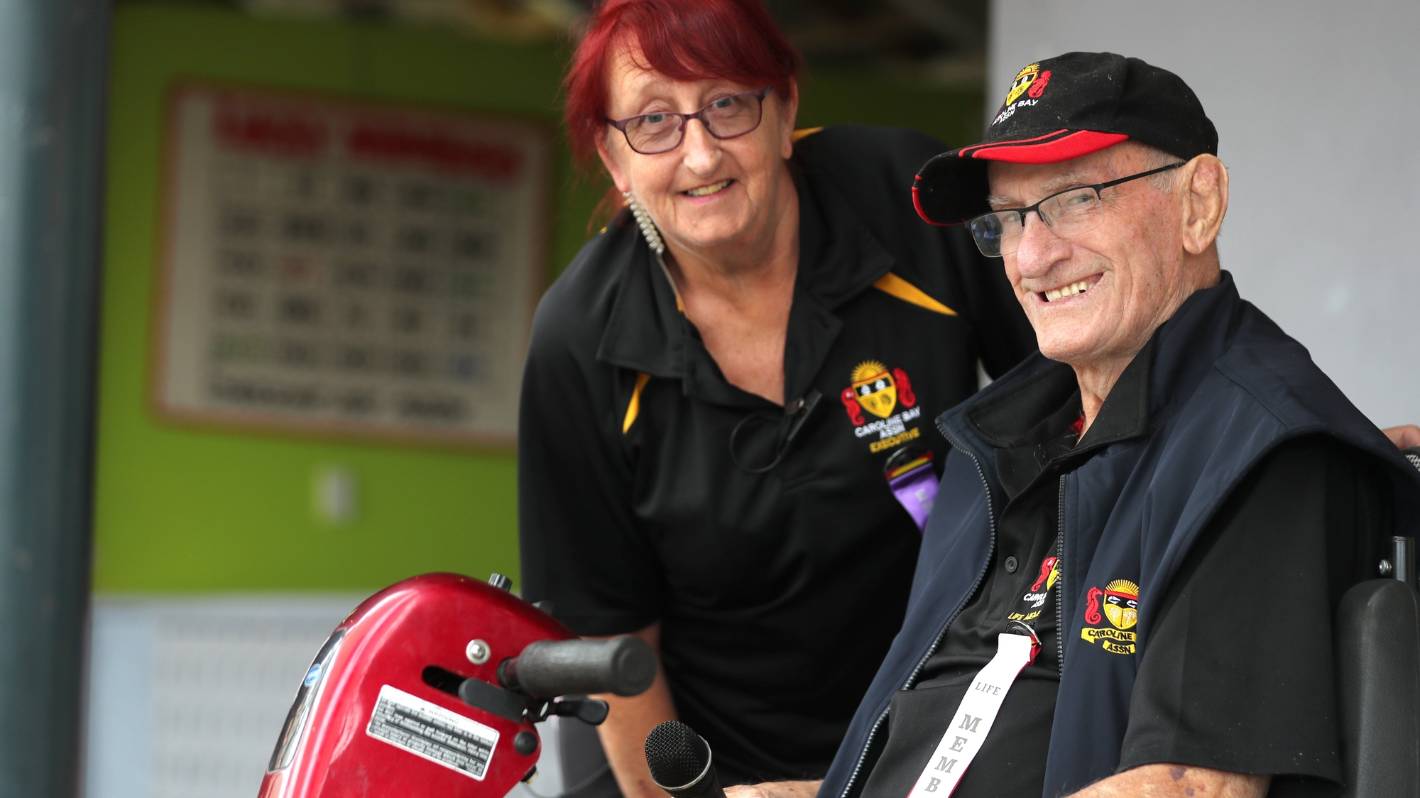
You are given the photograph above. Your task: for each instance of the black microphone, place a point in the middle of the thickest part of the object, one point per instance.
(680, 762)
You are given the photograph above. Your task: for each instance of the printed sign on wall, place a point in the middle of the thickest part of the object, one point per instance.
(348, 268)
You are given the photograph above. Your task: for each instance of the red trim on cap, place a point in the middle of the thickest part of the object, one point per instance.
(966, 152)
(1072, 145)
(917, 204)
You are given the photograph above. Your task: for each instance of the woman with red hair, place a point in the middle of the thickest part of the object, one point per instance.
(720, 382)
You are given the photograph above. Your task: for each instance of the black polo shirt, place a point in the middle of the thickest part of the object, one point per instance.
(1260, 587)
(652, 490)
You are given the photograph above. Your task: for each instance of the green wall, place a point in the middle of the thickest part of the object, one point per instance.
(183, 509)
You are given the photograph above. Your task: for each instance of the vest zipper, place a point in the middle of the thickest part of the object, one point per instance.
(1060, 593)
(936, 641)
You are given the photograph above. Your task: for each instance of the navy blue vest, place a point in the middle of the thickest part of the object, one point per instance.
(1226, 387)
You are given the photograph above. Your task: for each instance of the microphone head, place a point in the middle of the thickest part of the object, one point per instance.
(677, 756)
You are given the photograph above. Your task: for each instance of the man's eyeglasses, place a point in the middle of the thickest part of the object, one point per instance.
(724, 118)
(1069, 212)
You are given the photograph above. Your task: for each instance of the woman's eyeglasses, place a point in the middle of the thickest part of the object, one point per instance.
(725, 117)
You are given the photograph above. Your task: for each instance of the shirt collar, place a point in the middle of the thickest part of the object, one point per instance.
(1033, 428)
(645, 331)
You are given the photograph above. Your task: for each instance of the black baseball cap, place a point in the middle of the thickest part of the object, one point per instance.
(1062, 108)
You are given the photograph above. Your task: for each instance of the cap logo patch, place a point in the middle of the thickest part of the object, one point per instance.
(1023, 81)
(1030, 82)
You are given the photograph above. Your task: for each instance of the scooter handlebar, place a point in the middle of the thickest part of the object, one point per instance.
(625, 666)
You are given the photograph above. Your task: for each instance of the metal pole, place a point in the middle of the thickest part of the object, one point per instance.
(53, 59)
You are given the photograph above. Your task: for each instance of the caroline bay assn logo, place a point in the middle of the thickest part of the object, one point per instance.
(1038, 592)
(1031, 82)
(1110, 616)
(879, 392)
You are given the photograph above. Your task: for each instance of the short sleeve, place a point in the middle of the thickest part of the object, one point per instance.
(1238, 672)
(579, 544)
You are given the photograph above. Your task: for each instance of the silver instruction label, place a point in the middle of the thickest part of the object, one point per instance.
(433, 732)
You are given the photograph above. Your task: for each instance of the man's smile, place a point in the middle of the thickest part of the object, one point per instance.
(1069, 289)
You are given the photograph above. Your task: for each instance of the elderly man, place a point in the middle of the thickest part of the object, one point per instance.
(1127, 583)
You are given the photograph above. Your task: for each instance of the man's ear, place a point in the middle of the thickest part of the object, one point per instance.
(790, 109)
(618, 175)
(1205, 202)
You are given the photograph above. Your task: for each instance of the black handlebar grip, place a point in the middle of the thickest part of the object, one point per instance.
(624, 666)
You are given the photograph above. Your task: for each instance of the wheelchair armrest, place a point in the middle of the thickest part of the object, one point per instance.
(1378, 662)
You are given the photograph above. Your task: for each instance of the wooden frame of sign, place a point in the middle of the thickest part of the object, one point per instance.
(347, 268)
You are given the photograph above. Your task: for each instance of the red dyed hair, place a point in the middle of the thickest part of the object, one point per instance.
(734, 40)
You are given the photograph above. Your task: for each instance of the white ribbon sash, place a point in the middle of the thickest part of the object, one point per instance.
(974, 716)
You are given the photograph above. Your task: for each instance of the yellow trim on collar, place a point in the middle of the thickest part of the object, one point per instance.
(892, 284)
(633, 408)
(804, 132)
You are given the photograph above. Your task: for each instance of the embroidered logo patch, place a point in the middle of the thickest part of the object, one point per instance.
(1031, 83)
(879, 392)
(1110, 616)
(1039, 590)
